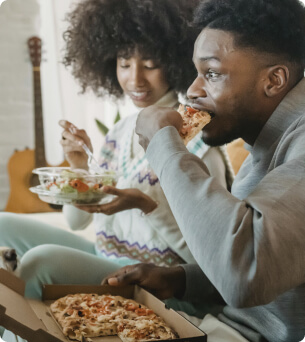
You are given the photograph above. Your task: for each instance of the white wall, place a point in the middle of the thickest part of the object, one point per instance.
(18, 21)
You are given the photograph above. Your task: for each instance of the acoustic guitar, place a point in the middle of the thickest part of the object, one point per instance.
(21, 164)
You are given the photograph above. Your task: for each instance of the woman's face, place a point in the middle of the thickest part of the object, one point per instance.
(141, 79)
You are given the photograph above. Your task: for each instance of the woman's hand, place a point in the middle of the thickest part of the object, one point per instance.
(163, 282)
(72, 139)
(126, 199)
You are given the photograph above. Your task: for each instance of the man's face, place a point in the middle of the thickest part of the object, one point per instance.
(230, 86)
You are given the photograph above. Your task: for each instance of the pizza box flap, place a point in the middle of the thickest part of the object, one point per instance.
(16, 313)
(53, 292)
(184, 328)
(11, 281)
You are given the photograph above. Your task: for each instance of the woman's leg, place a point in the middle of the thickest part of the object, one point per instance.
(23, 234)
(53, 264)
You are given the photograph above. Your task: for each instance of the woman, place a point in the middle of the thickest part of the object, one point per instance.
(142, 49)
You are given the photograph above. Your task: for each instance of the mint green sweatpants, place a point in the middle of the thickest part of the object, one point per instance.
(49, 255)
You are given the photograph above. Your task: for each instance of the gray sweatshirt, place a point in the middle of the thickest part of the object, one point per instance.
(250, 243)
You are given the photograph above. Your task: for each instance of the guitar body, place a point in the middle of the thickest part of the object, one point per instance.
(21, 199)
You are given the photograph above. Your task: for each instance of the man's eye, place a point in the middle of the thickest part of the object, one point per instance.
(212, 74)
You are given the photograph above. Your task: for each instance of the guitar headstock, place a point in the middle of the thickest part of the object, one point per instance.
(34, 44)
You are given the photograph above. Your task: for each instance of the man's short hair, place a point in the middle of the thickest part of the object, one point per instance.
(272, 26)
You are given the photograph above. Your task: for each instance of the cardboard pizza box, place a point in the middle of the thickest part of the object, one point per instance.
(32, 320)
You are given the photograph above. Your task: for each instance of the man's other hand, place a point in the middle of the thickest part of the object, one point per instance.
(163, 282)
(152, 119)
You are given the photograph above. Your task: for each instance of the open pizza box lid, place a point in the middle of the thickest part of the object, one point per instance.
(31, 319)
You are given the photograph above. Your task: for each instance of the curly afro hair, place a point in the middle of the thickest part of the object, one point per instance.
(272, 26)
(100, 30)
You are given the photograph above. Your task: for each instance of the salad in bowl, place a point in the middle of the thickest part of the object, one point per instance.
(62, 185)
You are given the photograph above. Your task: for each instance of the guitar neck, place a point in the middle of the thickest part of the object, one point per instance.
(39, 135)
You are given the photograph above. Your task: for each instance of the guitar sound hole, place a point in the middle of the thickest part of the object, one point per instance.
(34, 180)
(55, 206)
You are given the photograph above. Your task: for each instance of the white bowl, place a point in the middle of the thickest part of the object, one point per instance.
(61, 185)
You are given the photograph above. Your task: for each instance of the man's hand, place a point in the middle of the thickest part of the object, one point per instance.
(152, 119)
(125, 199)
(163, 282)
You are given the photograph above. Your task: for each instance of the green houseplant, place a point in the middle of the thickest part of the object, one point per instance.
(103, 128)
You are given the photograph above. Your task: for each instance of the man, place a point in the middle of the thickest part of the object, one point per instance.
(249, 244)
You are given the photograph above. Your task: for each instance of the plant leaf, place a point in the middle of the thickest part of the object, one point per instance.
(118, 117)
(104, 129)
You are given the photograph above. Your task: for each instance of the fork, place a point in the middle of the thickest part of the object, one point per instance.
(92, 162)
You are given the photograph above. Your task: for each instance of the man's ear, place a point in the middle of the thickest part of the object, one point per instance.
(276, 80)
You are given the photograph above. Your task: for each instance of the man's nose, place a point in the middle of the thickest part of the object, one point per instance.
(196, 89)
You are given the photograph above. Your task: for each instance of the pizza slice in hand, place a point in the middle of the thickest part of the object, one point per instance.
(193, 122)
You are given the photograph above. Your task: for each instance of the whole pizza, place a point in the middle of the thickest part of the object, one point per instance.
(82, 316)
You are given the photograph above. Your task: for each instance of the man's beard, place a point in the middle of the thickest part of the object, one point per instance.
(222, 139)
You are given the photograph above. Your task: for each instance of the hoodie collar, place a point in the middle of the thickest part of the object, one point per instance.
(290, 108)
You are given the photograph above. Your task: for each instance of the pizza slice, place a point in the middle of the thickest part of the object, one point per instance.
(87, 315)
(193, 122)
(145, 330)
